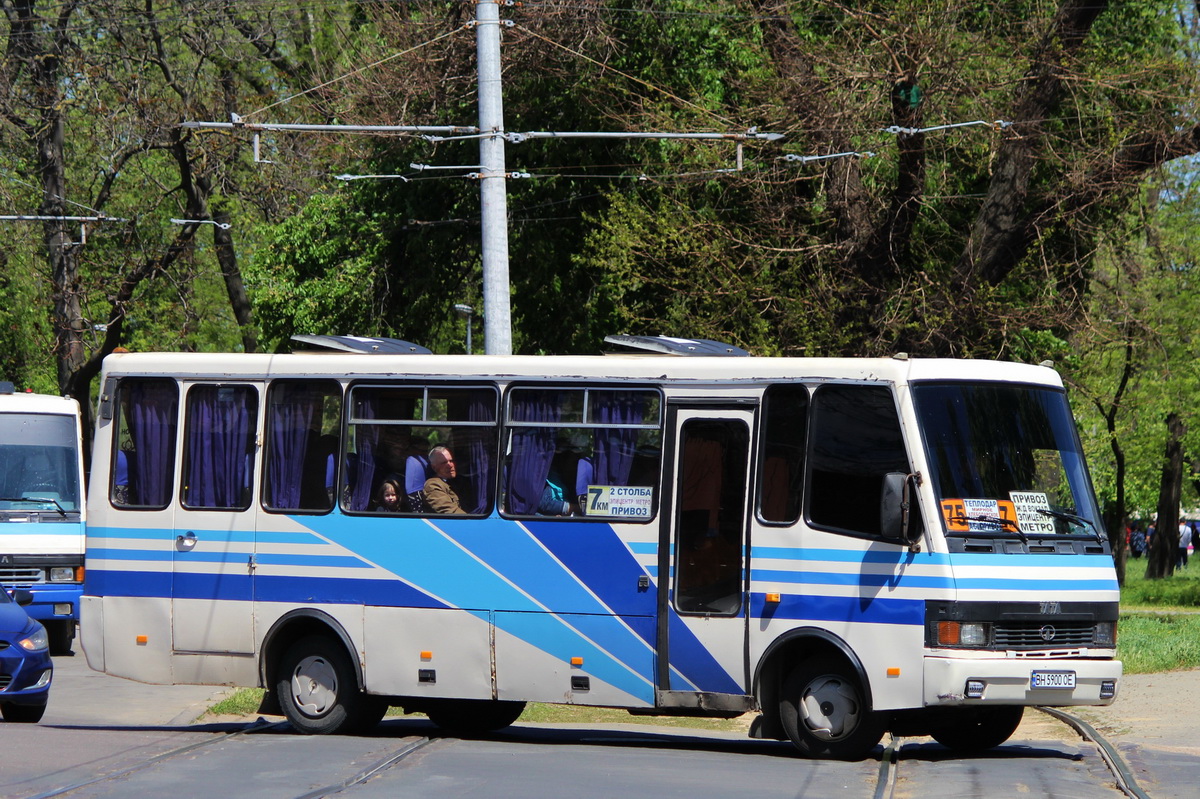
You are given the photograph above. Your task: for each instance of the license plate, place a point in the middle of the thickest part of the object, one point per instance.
(1052, 679)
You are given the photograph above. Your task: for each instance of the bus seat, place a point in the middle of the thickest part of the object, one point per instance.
(583, 478)
(416, 472)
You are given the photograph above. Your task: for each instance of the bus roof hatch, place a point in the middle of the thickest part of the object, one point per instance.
(669, 345)
(360, 344)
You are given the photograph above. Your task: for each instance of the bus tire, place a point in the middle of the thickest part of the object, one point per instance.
(61, 634)
(824, 710)
(468, 717)
(22, 714)
(977, 728)
(318, 689)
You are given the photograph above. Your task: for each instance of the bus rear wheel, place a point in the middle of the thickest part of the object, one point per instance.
(825, 713)
(469, 717)
(977, 728)
(318, 689)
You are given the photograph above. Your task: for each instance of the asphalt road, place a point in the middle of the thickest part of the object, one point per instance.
(107, 737)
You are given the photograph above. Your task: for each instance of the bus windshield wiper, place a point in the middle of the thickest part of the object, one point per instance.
(1082, 521)
(998, 522)
(43, 500)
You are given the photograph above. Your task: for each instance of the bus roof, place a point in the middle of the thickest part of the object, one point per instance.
(38, 403)
(612, 367)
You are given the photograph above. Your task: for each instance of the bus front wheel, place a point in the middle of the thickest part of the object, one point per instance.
(824, 710)
(318, 690)
(978, 728)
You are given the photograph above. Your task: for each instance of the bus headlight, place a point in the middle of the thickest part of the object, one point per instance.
(962, 633)
(62, 574)
(1105, 634)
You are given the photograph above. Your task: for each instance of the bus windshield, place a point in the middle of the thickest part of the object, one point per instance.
(1005, 460)
(39, 465)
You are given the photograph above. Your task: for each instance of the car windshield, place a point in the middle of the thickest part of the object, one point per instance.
(1005, 460)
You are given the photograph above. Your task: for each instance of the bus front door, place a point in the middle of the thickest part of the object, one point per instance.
(214, 523)
(702, 604)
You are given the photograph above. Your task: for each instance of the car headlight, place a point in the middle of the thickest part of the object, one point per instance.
(1105, 634)
(36, 641)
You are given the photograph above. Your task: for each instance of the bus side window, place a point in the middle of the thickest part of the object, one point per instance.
(143, 472)
(303, 417)
(785, 426)
(569, 447)
(856, 440)
(218, 455)
(391, 430)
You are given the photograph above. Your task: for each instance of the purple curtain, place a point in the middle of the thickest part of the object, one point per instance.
(532, 448)
(615, 448)
(479, 451)
(220, 423)
(291, 413)
(152, 408)
(367, 438)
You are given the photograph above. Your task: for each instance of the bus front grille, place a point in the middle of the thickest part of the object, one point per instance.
(1039, 635)
(23, 576)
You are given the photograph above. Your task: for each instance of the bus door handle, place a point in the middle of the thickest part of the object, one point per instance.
(187, 542)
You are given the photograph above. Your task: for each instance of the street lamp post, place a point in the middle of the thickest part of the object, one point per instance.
(466, 312)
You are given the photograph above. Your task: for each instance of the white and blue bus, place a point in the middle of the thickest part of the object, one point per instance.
(42, 508)
(846, 545)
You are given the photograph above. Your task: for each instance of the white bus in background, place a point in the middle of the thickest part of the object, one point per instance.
(42, 508)
(846, 545)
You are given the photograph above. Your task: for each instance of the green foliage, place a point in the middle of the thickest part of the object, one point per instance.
(1179, 591)
(1149, 643)
(320, 272)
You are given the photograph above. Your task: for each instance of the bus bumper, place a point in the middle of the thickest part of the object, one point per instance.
(54, 603)
(1010, 681)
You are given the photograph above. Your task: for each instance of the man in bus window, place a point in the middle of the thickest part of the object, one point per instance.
(440, 496)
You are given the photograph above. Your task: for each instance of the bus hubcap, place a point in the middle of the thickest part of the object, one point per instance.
(830, 708)
(314, 686)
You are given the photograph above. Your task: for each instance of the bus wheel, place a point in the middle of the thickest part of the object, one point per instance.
(318, 691)
(62, 635)
(824, 711)
(976, 728)
(22, 714)
(474, 716)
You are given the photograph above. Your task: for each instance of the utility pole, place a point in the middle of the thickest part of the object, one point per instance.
(497, 324)
(492, 174)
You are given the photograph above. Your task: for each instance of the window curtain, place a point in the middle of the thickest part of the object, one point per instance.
(532, 448)
(291, 414)
(615, 447)
(218, 446)
(479, 451)
(367, 440)
(151, 412)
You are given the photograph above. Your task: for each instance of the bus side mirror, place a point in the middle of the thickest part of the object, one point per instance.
(895, 508)
(22, 596)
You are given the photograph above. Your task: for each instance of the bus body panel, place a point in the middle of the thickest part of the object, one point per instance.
(426, 652)
(578, 610)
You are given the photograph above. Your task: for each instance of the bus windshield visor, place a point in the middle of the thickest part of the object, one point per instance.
(1005, 460)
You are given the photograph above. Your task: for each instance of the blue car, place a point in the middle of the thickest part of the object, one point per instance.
(25, 666)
